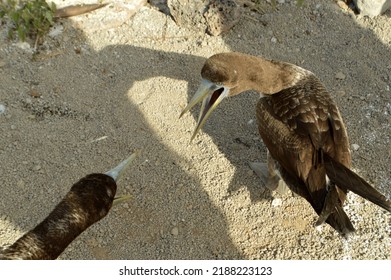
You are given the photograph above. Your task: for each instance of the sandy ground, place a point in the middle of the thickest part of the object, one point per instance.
(94, 97)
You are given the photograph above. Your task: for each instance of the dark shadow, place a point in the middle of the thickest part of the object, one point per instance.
(161, 202)
(161, 6)
(388, 13)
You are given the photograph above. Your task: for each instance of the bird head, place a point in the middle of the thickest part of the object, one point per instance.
(95, 194)
(228, 74)
(219, 80)
(211, 95)
(92, 197)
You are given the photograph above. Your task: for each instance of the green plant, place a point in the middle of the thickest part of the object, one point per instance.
(27, 18)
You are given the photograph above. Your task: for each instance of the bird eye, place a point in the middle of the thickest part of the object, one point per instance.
(109, 192)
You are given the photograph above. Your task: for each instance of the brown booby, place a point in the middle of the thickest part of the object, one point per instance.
(87, 202)
(301, 126)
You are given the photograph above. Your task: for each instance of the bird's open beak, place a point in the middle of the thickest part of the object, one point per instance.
(211, 95)
(116, 173)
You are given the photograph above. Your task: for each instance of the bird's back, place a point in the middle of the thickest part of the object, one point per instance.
(298, 125)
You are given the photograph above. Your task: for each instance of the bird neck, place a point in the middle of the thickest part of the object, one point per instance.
(50, 238)
(267, 76)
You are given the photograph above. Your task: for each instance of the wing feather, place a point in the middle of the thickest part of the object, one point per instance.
(298, 125)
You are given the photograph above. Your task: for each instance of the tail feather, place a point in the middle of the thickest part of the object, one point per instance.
(344, 177)
(340, 221)
(333, 213)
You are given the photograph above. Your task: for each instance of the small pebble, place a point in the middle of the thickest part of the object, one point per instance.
(34, 93)
(343, 5)
(37, 167)
(340, 76)
(341, 93)
(175, 231)
(355, 147)
(55, 31)
(2, 108)
(276, 202)
(25, 46)
(273, 40)
(319, 228)
(20, 184)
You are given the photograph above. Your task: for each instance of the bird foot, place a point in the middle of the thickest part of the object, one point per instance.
(273, 183)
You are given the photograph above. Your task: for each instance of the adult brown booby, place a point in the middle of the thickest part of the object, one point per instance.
(300, 125)
(88, 201)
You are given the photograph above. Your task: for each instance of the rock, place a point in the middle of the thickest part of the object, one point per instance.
(37, 167)
(340, 76)
(20, 184)
(175, 231)
(2, 108)
(355, 147)
(276, 202)
(343, 5)
(372, 7)
(341, 93)
(250, 173)
(34, 93)
(216, 16)
(25, 47)
(221, 16)
(56, 30)
(251, 122)
(188, 13)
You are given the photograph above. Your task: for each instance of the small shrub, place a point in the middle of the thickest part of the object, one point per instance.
(31, 19)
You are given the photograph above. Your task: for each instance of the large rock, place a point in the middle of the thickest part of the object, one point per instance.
(221, 16)
(216, 16)
(372, 7)
(188, 13)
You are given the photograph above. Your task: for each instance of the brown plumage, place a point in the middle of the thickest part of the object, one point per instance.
(88, 201)
(300, 125)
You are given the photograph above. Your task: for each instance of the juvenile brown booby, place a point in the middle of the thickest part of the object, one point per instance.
(300, 125)
(88, 201)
